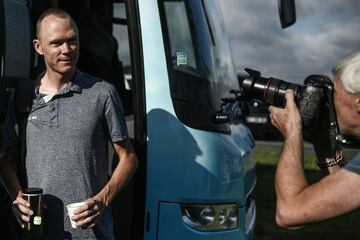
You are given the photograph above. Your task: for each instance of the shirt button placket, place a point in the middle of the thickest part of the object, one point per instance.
(54, 112)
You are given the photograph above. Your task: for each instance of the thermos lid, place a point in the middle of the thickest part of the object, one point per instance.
(33, 191)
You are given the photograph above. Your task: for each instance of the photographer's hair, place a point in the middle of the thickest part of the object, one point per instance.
(348, 71)
(57, 12)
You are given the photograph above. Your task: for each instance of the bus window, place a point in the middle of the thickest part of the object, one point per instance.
(181, 42)
(120, 33)
(200, 68)
(225, 70)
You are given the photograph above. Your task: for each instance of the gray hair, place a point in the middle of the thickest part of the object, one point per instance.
(348, 72)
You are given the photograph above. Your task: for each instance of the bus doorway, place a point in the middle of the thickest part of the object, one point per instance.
(105, 53)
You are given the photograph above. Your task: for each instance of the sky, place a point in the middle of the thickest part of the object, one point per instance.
(325, 32)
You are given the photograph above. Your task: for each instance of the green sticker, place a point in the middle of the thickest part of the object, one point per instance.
(37, 220)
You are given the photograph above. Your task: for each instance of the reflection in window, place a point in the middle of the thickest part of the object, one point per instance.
(181, 45)
(120, 32)
(223, 58)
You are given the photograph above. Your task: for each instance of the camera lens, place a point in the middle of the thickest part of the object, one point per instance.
(269, 90)
(311, 98)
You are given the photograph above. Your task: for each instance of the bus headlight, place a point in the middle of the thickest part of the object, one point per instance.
(250, 213)
(211, 217)
(207, 216)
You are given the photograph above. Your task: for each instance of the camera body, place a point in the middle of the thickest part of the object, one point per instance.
(312, 98)
(315, 102)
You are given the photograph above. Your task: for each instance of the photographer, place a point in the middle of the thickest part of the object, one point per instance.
(299, 203)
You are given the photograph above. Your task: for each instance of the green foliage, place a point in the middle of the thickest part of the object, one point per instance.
(268, 157)
(345, 227)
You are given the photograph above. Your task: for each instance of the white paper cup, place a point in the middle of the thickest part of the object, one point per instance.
(71, 208)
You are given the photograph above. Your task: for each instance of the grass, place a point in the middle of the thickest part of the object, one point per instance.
(344, 227)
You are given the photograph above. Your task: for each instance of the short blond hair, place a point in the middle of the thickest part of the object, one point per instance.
(57, 12)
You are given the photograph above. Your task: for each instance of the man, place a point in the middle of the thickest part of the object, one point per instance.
(73, 116)
(299, 203)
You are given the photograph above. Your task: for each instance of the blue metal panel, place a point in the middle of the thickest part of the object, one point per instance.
(185, 165)
(203, 166)
(192, 166)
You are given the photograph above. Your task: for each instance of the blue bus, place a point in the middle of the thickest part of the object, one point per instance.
(172, 64)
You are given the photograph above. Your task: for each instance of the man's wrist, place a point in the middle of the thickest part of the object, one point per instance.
(102, 199)
(293, 135)
(16, 193)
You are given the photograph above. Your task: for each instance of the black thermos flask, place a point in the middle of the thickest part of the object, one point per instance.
(35, 228)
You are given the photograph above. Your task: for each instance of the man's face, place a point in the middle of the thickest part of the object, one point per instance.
(346, 110)
(58, 42)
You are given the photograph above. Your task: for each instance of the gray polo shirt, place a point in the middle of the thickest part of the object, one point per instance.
(67, 155)
(354, 164)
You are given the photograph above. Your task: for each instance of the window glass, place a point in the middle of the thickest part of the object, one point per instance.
(124, 81)
(225, 71)
(200, 67)
(120, 32)
(180, 39)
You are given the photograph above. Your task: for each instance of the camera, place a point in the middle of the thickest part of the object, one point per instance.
(312, 98)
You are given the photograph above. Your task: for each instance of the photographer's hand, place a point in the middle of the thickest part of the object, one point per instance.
(288, 119)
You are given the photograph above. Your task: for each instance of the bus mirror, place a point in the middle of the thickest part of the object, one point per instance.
(287, 12)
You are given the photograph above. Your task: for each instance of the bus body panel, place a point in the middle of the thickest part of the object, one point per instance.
(185, 165)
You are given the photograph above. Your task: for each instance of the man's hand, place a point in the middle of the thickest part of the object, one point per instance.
(22, 210)
(87, 215)
(288, 119)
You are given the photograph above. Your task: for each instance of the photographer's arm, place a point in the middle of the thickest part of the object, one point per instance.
(331, 170)
(299, 203)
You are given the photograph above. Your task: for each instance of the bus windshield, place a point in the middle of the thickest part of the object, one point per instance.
(200, 65)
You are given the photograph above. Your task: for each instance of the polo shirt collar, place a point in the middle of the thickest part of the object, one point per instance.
(73, 85)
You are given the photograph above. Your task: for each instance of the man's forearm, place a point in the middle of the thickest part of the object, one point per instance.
(8, 173)
(290, 178)
(331, 170)
(121, 175)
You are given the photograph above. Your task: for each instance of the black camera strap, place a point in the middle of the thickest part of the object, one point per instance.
(338, 156)
(332, 113)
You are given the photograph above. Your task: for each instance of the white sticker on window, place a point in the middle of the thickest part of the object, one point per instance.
(181, 58)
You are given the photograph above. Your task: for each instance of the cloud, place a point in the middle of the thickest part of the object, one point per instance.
(324, 33)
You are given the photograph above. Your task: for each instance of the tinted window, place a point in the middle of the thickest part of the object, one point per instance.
(124, 68)
(180, 39)
(199, 61)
